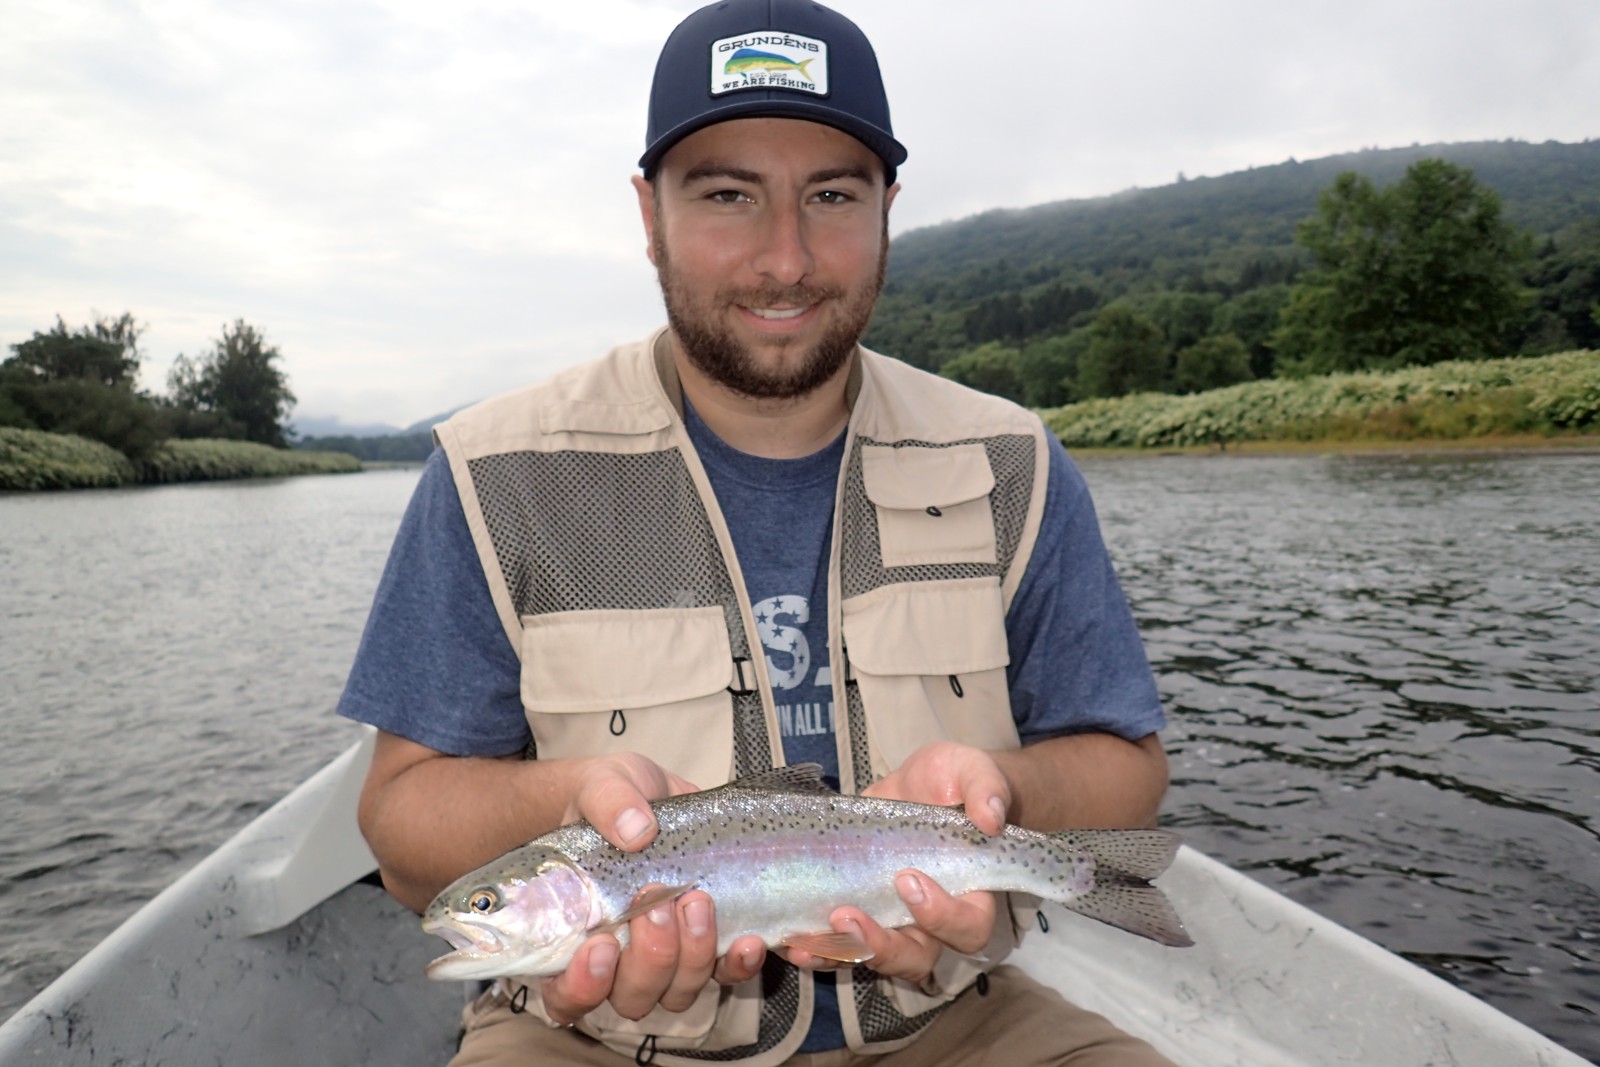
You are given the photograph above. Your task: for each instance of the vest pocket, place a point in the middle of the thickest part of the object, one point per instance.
(932, 504)
(653, 681)
(905, 642)
(720, 1018)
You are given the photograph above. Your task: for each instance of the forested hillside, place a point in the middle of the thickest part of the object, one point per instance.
(1012, 293)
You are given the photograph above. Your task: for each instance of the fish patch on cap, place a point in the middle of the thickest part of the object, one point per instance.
(768, 59)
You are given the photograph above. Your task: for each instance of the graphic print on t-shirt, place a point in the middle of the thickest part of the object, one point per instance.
(781, 623)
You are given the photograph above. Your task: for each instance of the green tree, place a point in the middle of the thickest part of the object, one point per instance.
(1211, 363)
(1423, 271)
(1048, 368)
(991, 368)
(106, 352)
(83, 382)
(1127, 353)
(1566, 277)
(1183, 317)
(235, 390)
(1251, 317)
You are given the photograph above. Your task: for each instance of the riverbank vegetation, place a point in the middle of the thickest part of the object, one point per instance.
(72, 415)
(33, 459)
(1540, 396)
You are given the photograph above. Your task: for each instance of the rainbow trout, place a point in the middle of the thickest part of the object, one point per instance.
(778, 852)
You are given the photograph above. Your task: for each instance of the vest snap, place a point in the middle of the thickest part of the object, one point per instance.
(1044, 924)
(619, 723)
(983, 985)
(935, 512)
(643, 1058)
(955, 687)
(519, 1001)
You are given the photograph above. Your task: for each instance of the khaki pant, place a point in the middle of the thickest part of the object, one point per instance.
(1019, 1024)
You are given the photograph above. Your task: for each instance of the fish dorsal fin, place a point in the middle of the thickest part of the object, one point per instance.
(799, 778)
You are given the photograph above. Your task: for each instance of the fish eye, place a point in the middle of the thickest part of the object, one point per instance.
(484, 901)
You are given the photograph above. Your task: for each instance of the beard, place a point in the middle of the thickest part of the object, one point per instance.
(711, 346)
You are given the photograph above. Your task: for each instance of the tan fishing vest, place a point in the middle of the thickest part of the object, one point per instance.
(614, 575)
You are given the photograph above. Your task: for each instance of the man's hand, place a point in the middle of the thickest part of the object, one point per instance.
(671, 954)
(963, 923)
(946, 773)
(943, 773)
(614, 795)
(672, 949)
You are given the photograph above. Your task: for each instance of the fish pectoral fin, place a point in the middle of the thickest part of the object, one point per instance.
(643, 903)
(831, 945)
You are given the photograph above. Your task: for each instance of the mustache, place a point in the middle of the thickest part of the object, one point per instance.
(771, 295)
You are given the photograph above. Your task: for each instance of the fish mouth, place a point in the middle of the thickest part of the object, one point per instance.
(472, 942)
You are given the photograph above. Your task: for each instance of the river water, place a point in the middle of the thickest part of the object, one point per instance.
(1383, 675)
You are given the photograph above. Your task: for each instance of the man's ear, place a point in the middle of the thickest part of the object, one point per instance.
(647, 213)
(888, 196)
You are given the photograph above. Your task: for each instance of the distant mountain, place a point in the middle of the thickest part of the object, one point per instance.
(333, 426)
(1014, 274)
(389, 444)
(1544, 187)
(427, 425)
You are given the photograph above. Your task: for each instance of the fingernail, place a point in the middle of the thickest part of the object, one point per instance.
(697, 917)
(632, 825)
(998, 806)
(603, 959)
(910, 889)
(661, 914)
(748, 956)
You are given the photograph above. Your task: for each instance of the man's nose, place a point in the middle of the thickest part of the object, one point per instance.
(785, 253)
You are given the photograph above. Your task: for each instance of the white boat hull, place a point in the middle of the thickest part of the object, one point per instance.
(276, 950)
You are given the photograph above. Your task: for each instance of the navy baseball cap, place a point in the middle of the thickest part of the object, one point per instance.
(769, 59)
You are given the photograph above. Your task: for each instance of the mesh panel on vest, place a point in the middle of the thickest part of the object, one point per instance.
(780, 1001)
(880, 1020)
(856, 721)
(587, 531)
(1011, 457)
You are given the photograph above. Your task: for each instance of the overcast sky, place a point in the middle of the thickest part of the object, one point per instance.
(425, 203)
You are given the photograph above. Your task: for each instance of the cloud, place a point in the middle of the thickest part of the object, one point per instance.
(423, 203)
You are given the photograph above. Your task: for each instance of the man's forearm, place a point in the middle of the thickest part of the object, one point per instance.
(1085, 781)
(430, 818)
(433, 819)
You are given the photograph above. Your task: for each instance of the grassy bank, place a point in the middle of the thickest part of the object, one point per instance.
(1468, 401)
(209, 460)
(30, 459)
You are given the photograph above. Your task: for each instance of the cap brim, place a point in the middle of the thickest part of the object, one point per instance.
(885, 147)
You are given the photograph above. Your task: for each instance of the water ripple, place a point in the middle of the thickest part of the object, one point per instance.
(1384, 679)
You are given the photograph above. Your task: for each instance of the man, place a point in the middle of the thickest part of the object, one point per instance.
(592, 570)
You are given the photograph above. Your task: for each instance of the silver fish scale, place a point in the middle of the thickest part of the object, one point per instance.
(779, 863)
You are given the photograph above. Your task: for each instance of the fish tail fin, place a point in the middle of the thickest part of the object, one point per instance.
(804, 63)
(1124, 863)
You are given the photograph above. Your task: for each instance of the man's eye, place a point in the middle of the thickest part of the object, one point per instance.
(833, 196)
(726, 196)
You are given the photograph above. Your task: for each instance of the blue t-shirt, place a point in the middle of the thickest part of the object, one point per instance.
(780, 516)
(436, 667)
